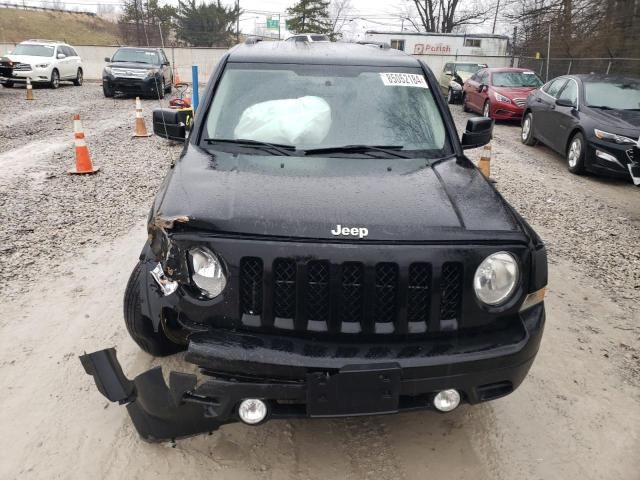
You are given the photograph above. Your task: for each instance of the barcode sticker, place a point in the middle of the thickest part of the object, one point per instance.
(403, 80)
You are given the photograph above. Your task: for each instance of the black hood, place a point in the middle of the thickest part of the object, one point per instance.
(133, 65)
(412, 202)
(620, 121)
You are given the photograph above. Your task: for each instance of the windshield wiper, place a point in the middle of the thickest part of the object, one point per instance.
(601, 107)
(280, 148)
(388, 149)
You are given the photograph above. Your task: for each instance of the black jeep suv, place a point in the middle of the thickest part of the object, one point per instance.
(141, 71)
(322, 247)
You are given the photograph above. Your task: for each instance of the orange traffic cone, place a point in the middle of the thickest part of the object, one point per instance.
(29, 89)
(485, 160)
(141, 128)
(83, 161)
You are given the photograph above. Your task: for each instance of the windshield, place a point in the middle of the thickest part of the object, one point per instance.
(622, 95)
(318, 106)
(467, 67)
(516, 79)
(34, 50)
(136, 56)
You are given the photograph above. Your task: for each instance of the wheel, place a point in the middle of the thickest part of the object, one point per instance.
(78, 80)
(575, 154)
(140, 327)
(162, 88)
(8, 85)
(107, 90)
(527, 130)
(486, 110)
(450, 98)
(55, 79)
(464, 103)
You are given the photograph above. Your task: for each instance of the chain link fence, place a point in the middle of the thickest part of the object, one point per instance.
(564, 66)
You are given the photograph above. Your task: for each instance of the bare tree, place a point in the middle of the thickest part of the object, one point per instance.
(338, 11)
(445, 16)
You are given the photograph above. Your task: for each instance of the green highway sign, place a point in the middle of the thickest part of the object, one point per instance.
(272, 22)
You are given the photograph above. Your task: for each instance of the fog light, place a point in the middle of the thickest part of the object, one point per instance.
(252, 411)
(446, 400)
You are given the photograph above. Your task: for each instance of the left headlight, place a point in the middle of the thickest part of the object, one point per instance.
(42, 65)
(612, 137)
(207, 271)
(496, 278)
(151, 72)
(501, 98)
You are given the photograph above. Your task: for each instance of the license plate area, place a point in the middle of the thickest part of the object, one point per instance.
(354, 390)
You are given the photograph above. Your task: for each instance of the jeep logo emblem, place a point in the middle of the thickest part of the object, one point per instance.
(359, 232)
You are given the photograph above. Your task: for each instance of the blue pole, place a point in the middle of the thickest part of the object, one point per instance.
(194, 86)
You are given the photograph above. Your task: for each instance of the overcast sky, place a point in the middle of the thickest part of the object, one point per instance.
(363, 15)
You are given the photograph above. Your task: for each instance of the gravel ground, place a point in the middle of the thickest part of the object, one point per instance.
(68, 244)
(50, 214)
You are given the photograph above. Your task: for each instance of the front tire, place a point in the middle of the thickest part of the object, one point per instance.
(55, 79)
(107, 90)
(465, 108)
(450, 97)
(79, 78)
(486, 109)
(140, 327)
(8, 85)
(527, 130)
(576, 152)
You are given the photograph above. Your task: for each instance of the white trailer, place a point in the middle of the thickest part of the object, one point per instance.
(479, 44)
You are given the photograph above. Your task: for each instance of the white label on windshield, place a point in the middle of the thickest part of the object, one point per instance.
(528, 73)
(403, 80)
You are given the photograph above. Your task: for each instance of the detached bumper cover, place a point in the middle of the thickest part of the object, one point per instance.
(314, 379)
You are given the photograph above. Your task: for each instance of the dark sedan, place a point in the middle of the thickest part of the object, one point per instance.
(141, 71)
(594, 120)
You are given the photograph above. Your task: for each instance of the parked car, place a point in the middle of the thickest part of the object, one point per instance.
(593, 120)
(141, 71)
(45, 62)
(6, 68)
(454, 75)
(323, 247)
(499, 93)
(309, 37)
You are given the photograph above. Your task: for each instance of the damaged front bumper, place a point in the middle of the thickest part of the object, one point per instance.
(304, 378)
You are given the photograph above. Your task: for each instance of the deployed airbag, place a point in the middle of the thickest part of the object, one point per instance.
(291, 121)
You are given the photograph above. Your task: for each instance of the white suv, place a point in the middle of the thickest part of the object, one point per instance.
(44, 61)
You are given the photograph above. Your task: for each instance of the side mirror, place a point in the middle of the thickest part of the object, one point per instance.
(448, 73)
(107, 59)
(170, 124)
(60, 56)
(478, 132)
(562, 102)
(481, 88)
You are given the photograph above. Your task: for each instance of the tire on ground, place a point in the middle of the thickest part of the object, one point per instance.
(140, 327)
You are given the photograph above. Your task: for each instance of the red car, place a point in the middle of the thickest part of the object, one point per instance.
(499, 93)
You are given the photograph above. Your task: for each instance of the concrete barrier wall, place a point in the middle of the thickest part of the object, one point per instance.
(93, 59)
(207, 58)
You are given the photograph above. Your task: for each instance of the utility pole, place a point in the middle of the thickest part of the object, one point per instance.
(237, 21)
(548, 53)
(495, 18)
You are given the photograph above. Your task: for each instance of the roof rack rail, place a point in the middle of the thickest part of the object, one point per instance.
(252, 40)
(43, 40)
(382, 45)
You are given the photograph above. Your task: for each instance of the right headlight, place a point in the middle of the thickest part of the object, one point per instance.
(496, 278)
(207, 271)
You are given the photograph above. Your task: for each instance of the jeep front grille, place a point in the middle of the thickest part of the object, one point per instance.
(350, 297)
